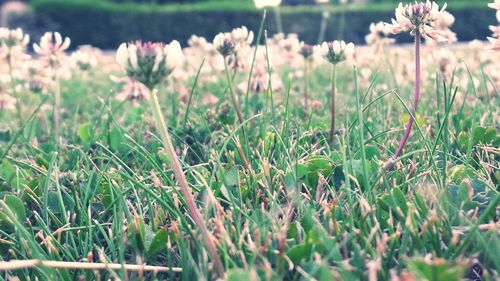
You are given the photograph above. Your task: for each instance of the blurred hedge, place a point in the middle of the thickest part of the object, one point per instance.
(106, 25)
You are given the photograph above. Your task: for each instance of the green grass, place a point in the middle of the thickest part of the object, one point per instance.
(300, 209)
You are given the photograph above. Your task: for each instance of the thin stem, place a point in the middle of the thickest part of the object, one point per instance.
(57, 105)
(231, 93)
(416, 99)
(183, 184)
(13, 88)
(324, 23)
(306, 98)
(332, 104)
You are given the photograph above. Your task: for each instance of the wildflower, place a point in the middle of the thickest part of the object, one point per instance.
(242, 36)
(148, 62)
(418, 17)
(7, 102)
(259, 4)
(379, 36)
(134, 92)
(442, 24)
(13, 44)
(336, 51)
(83, 60)
(306, 50)
(225, 44)
(51, 49)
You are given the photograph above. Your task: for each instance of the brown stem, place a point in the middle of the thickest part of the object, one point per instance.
(416, 99)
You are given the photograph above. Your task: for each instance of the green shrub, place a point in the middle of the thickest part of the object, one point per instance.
(106, 25)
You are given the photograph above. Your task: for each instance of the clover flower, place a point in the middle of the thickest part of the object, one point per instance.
(242, 36)
(418, 16)
(133, 92)
(7, 102)
(442, 24)
(149, 62)
(225, 44)
(51, 49)
(336, 51)
(259, 4)
(495, 43)
(13, 43)
(83, 60)
(379, 36)
(306, 50)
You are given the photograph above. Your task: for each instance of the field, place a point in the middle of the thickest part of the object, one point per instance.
(92, 189)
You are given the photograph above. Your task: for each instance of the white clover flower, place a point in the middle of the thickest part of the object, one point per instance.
(418, 16)
(259, 4)
(379, 35)
(83, 60)
(306, 50)
(336, 51)
(242, 36)
(13, 44)
(51, 50)
(149, 63)
(225, 44)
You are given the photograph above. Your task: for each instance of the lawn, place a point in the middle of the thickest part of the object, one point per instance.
(91, 188)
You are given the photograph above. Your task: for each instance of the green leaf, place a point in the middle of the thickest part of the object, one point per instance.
(15, 206)
(159, 242)
(435, 270)
(299, 252)
(84, 132)
(239, 274)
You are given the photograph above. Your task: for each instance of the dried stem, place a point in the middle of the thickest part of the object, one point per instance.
(20, 264)
(183, 184)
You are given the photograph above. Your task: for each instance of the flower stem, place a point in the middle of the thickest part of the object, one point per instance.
(57, 105)
(306, 97)
(231, 93)
(332, 104)
(416, 99)
(183, 184)
(279, 25)
(13, 88)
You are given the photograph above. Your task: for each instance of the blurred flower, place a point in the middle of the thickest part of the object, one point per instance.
(443, 24)
(51, 49)
(12, 41)
(418, 17)
(225, 44)
(495, 43)
(133, 92)
(242, 36)
(7, 102)
(148, 62)
(306, 50)
(322, 1)
(379, 36)
(336, 51)
(259, 4)
(83, 60)
(495, 30)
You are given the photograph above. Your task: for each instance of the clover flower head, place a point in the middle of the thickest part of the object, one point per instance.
(11, 38)
(7, 102)
(242, 36)
(379, 35)
(51, 49)
(259, 4)
(133, 92)
(83, 60)
(225, 44)
(336, 51)
(418, 17)
(149, 62)
(306, 50)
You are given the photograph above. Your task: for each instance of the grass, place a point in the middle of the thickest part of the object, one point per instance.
(280, 202)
